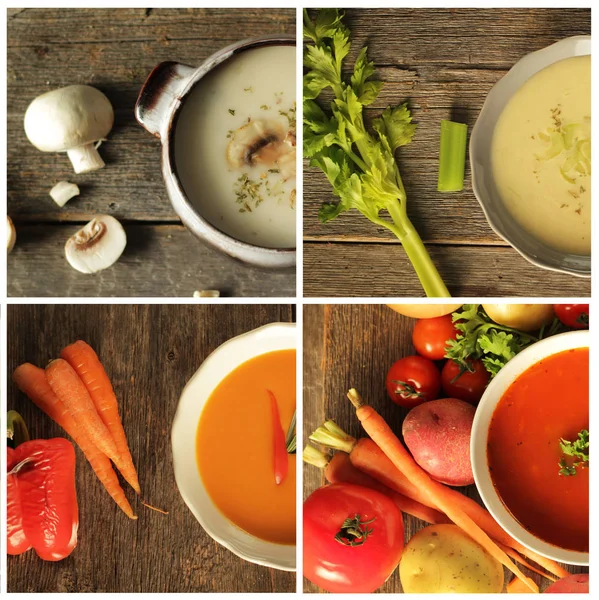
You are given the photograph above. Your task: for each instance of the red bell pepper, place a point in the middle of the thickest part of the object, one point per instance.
(42, 510)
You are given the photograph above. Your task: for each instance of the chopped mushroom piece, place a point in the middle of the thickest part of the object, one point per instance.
(11, 234)
(206, 294)
(63, 191)
(72, 119)
(96, 246)
(258, 142)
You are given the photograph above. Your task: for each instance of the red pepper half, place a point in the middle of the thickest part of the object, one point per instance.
(42, 510)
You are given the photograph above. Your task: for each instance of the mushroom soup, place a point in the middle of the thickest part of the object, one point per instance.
(541, 155)
(235, 146)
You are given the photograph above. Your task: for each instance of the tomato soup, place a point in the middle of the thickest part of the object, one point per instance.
(235, 447)
(546, 403)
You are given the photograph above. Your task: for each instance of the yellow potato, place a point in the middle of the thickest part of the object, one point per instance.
(424, 311)
(442, 559)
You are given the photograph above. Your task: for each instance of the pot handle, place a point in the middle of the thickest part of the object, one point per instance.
(162, 89)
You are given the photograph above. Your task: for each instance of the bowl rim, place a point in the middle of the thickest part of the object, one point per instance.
(252, 548)
(478, 442)
(184, 207)
(522, 65)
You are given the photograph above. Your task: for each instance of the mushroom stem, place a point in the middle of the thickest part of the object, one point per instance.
(85, 158)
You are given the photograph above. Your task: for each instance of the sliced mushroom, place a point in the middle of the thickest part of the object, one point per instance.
(96, 246)
(256, 142)
(63, 191)
(11, 234)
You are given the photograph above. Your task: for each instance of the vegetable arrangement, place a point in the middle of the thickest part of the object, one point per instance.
(359, 164)
(463, 548)
(76, 393)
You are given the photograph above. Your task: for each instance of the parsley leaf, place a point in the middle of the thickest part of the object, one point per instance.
(577, 450)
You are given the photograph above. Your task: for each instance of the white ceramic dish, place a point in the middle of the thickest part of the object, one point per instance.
(228, 356)
(478, 442)
(483, 185)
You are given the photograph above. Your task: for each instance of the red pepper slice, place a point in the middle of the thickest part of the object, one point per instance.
(43, 486)
(281, 460)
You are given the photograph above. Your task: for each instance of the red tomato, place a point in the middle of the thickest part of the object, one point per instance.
(338, 561)
(430, 336)
(573, 315)
(469, 386)
(413, 380)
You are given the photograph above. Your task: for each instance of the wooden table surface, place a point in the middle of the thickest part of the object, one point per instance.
(444, 62)
(115, 50)
(150, 352)
(349, 346)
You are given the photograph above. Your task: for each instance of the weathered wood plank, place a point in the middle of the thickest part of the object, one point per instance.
(443, 62)
(114, 50)
(160, 260)
(150, 352)
(383, 270)
(357, 346)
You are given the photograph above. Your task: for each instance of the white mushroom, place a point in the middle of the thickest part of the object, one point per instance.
(63, 191)
(97, 246)
(72, 120)
(11, 234)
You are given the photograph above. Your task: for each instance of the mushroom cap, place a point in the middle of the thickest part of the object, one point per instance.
(254, 141)
(68, 117)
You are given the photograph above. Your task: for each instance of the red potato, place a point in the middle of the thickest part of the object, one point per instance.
(437, 433)
(573, 584)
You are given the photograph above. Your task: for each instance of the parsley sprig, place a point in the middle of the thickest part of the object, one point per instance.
(480, 338)
(576, 454)
(359, 164)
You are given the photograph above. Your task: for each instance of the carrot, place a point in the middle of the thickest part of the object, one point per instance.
(67, 385)
(513, 554)
(31, 380)
(281, 460)
(515, 586)
(86, 363)
(387, 441)
(340, 470)
(369, 458)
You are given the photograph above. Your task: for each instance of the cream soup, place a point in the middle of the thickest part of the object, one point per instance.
(235, 147)
(541, 155)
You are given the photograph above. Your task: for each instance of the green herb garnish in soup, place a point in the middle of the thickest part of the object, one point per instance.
(235, 146)
(541, 155)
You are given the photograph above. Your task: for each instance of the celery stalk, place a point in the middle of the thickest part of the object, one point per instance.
(452, 156)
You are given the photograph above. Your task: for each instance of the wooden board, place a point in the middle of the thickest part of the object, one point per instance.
(443, 62)
(349, 346)
(150, 352)
(160, 260)
(114, 50)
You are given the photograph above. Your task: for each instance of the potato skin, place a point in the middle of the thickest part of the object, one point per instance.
(442, 559)
(437, 433)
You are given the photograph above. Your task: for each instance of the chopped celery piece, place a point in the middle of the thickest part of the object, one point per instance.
(452, 156)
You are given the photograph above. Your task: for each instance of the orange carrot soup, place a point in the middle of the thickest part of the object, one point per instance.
(235, 448)
(547, 403)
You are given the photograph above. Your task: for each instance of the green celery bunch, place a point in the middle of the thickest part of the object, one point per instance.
(359, 164)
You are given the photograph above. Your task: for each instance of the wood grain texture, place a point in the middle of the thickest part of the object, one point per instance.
(443, 62)
(150, 352)
(114, 50)
(160, 260)
(377, 270)
(353, 346)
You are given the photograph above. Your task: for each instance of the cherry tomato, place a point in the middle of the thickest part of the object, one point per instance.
(338, 560)
(413, 380)
(469, 386)
(430, 336)
(573, 315)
